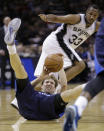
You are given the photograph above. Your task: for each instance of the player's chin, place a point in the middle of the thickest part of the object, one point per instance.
(91, 21)
(48, 92)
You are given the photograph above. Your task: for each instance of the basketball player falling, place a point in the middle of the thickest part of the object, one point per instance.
(75, 29)
(33, 104)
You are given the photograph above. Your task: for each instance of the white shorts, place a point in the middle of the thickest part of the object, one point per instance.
(51, 46)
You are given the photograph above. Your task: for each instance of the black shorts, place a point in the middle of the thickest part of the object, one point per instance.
(21, 84)
(96, 85)
(59, 104)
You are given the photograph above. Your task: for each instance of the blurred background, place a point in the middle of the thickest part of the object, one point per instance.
(33, 31)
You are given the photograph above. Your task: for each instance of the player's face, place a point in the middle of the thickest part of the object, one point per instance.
(49, 86)
(91, 15)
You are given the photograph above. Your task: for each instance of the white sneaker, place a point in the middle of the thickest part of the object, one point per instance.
(15, 104)
(12, 30)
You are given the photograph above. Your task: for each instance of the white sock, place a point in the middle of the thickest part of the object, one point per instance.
(11, 49)
(81, 104)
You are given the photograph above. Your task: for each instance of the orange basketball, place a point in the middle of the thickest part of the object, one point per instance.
(54, 62)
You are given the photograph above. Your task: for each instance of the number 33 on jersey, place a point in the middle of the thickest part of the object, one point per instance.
(75, 35)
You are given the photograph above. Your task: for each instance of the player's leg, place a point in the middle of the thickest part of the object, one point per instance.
(17, 66)
(73, 64)
(73, 113)
(74, 70)
(72, 94)
(14, 58)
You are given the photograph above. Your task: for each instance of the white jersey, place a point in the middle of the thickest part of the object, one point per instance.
(65, 40)
(76, 34)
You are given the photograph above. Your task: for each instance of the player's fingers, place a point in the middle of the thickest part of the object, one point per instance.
(46, 70)
(59, 54)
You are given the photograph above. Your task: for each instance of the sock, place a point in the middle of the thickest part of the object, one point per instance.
(11, 49)
(81, 104)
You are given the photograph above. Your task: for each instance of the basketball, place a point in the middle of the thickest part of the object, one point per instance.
(54, 62)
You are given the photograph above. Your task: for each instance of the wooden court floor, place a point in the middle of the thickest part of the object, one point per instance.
(10, 120)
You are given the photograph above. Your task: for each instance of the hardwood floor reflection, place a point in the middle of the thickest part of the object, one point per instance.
(10, 120)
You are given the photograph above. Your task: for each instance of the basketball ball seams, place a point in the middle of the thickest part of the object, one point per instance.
(53, 59)
(50, 61)
(54, 62)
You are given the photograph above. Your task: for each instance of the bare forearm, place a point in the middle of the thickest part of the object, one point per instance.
(36, 81)
(49, 18)
(52, 18)
(63, 80)
(75, 70)
(68, 19)
(39, 79)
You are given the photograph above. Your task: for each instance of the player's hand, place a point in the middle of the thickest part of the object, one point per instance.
(53, 77)
(43, 17)
(45, 71)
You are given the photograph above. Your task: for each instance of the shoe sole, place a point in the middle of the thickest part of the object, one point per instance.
(12, 29)
(69, 123)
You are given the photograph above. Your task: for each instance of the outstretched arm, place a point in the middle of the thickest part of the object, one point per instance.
(67, 19)
(43, 76)
(38, 80)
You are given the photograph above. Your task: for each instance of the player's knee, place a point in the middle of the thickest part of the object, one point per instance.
(87, 95)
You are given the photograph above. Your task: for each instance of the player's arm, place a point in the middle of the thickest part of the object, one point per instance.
(37, 81)
(67, 19)
(97, 26)
(43, 76)
(63, 80)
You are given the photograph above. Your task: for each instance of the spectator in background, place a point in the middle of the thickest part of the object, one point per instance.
(4, 56)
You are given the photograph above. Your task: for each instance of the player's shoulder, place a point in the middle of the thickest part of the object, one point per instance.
(81, 18)
(77, 18)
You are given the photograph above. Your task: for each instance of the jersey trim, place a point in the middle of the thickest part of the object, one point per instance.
(77, 22)
(62, 44)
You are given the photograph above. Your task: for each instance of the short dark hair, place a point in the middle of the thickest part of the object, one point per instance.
(93, 6)
(53, 78)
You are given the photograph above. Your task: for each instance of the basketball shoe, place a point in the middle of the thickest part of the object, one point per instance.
(71, 119)
(12, 30)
